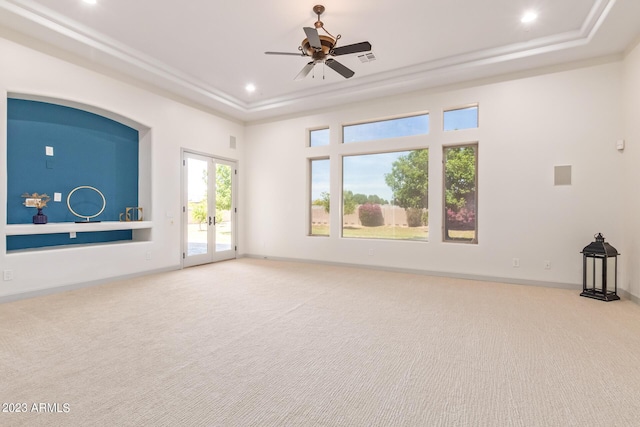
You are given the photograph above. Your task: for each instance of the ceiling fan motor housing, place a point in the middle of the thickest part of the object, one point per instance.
(323, 48)
(327, 44)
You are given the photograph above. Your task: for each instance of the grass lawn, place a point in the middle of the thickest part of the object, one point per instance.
(387, 232)
(462, 234)
(384, 232)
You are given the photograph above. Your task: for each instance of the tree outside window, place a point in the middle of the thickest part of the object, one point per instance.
(460, 181)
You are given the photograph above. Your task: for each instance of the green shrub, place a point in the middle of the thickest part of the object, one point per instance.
(370, 215)
(414, 217)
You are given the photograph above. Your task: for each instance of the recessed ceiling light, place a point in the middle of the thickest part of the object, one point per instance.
(529, 17)
(250, 88)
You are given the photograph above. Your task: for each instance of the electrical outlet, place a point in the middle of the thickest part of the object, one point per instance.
(8, 275)
(370, 252)
(147, 255)
(516, 262)
(547, 265)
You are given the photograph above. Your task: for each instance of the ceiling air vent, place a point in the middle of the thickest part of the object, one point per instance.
(367, 57)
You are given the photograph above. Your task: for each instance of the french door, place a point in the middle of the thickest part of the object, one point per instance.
(208, 209)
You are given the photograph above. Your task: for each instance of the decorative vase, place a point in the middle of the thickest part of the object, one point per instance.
(39, 218)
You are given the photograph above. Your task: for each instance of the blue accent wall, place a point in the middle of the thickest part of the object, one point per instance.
(88, 150)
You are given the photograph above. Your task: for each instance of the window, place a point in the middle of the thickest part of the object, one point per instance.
(461, 118)
(385, 195)
(405, 126)
(318, 137)
(319, 209)
(461, 196)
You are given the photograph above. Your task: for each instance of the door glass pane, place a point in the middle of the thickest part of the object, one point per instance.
(197, 226)
(223, 208)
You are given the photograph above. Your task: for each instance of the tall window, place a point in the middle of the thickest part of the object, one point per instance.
(461, 118)
(404, 126)
(385, 195)
(461, 195)
(319, 208)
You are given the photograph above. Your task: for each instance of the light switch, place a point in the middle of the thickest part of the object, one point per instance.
(57, 197)
(49, 150)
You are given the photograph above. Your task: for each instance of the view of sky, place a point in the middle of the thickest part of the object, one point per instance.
(405, 126)
(196, 170)
(319, 137)
(319, 178)
(365, 173)
(362, 174)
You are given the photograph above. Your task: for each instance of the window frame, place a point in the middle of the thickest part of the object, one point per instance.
(461, 107)
(361, 152)
(315, 129)
(310, 161)
(475, 144)
(386, 119)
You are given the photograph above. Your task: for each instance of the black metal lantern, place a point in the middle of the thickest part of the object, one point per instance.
(596, 274)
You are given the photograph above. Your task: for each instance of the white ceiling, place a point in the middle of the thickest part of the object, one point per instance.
(207, 51)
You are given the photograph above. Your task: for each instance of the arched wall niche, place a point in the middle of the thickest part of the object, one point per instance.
(132, 162)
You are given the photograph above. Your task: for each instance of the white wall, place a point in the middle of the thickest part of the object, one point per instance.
(527, 125)
(631, 204)
(173, 125)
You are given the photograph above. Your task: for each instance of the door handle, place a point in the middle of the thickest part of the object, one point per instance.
(210, 221)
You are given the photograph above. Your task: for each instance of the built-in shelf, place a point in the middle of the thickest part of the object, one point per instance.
(69, 227)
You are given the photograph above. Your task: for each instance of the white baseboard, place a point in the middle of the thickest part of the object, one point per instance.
(627, 295)
(575, 286)
(80, 285)
(48, 291)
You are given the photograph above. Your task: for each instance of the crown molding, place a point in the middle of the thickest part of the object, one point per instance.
(400, 79)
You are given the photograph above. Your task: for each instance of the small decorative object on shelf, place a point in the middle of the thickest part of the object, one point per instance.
(131, 214)
(595, 272)
(86, 217)
(37, 201)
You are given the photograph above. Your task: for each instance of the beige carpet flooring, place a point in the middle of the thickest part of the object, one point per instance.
(266, 343)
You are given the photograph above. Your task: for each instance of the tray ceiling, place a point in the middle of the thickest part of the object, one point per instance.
(208, 52)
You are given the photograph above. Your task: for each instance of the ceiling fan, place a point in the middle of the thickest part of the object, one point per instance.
(323, 48)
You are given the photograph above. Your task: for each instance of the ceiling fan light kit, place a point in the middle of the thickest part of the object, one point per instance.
(322, 48)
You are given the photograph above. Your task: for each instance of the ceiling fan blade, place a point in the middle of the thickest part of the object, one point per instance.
(305, 71)
(339, 68)
(351, 48)
(313, 37)
(285, 53)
